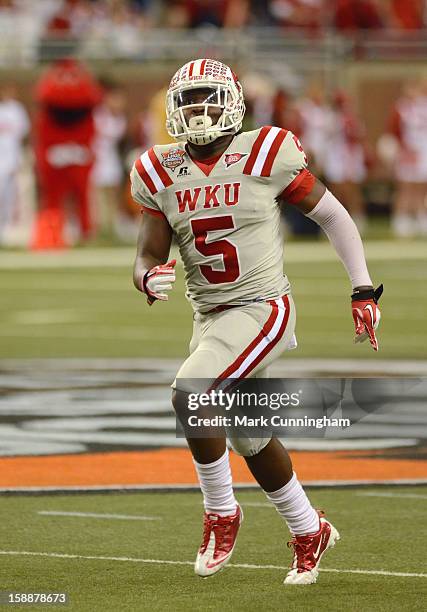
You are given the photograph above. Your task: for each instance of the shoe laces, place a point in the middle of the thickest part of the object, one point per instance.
(222, 526)
(301, 552)
(223, 529)
(302, 546)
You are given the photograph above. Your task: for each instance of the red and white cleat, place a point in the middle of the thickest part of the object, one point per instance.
(219, 539)
(308, 550)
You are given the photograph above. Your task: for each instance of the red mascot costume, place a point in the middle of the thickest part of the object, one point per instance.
(64, 131)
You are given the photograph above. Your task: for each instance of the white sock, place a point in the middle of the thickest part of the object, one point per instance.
(216, 484)
(293, 505)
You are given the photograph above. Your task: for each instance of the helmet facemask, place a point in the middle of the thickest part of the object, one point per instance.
(204, 110)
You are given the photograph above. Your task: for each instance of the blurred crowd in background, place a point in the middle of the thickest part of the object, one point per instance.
(64, 170)
(83, 18)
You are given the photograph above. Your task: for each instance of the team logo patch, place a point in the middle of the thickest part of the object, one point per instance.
(233, 158)
(173, 158)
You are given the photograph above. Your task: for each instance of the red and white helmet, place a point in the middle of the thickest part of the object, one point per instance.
(223, 91)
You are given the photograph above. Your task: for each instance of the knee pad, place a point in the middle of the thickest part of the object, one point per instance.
(248, 447)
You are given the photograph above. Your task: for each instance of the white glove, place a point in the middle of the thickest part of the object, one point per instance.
(157, 281)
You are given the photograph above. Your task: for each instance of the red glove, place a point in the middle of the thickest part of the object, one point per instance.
(366, 314)
(157, 281)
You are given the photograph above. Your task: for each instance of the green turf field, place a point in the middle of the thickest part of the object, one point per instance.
(120, 564)
(83, 304)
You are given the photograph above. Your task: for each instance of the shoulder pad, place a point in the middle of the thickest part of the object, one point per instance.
(264, 150)
(151, 170)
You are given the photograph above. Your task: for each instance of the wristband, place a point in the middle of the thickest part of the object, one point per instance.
(144, 284)
(368, 294)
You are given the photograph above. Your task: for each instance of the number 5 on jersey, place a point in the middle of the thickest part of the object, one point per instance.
(222, 247)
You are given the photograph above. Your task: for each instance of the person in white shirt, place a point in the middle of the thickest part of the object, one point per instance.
(110, 126)
(14, 127)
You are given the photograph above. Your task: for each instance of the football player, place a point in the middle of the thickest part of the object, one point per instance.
(407, 127)
(218, 191)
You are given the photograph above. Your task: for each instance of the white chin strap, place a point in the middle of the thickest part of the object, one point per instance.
(202, 123)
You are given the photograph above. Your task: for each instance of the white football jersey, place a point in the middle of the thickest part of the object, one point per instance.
(226, 219)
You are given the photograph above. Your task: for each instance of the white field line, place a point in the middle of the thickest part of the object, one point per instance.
(195, 487)
(378, 250)
(28, 553)
(397, 495)
(46, 317)
(253, 504)
(123, 517)
(164, 333)
(83, 332)
(287, 367)
(361, 494)
(256, 505)
(29, 318)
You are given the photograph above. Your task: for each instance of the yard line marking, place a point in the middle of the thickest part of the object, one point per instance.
(100, 333)
(119, 257)
(123, 517)
(254, 504)
(28, 553)
(171, 488)
(235, 565)
(402, 495)
(282, 368)
(45, 316)
(257, 505)
(333, 570)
